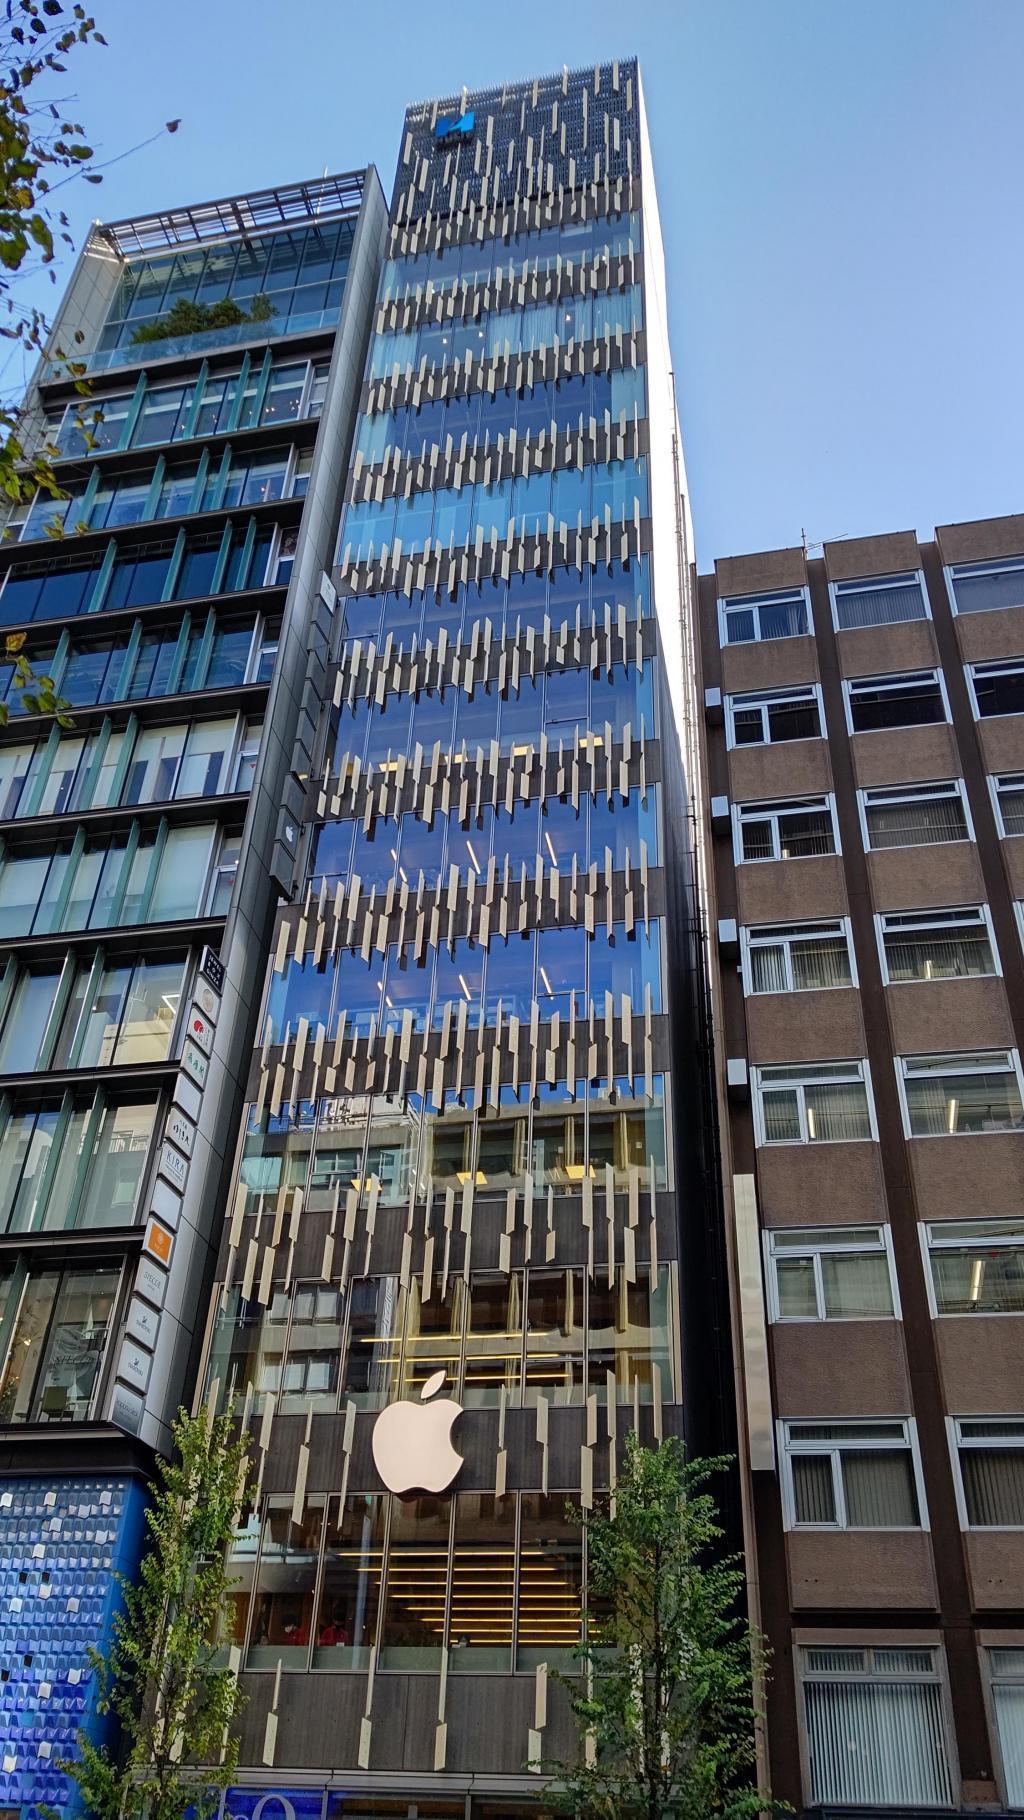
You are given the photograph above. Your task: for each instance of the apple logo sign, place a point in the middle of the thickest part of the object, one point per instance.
(412, 1442)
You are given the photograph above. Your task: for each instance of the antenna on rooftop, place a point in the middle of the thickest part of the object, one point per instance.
(818, 543)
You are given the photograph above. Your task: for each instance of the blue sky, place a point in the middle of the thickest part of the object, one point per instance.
(839, 183)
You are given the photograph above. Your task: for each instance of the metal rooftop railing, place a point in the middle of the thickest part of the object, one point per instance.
(232, 217)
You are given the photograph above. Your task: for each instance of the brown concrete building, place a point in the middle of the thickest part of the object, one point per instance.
(864, 799)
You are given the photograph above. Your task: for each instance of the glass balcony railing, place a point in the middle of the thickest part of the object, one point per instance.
(207, 340)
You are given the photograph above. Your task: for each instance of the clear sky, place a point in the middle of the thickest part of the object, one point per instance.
(840, 190)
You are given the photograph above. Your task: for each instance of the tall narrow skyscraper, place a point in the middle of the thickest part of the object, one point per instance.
(200, 487)
(472, 1168)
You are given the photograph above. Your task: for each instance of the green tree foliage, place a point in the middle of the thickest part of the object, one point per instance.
(163, 1678)
(41, 149)
(36, 693)
(188, 318)
(664, 1699)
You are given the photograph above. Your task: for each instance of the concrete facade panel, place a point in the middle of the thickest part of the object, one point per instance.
(891, 554)
(785, 1026)
(761, 573)
(795, 767)
(879, 650)
(904, 755)
(771, 891)
(981, 539)
(907, 878)
(860, 1569)
(806, 1185)
(959, 1177)
(982, 1360)
(995, 1561)
(777, 663)
(927, 1017)
(839, 1368)
(983, 636)
(1002, 742)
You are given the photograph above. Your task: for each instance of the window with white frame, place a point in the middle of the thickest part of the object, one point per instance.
(753, 618)
(984, 587)
(768, 716)
(998, 688)
(796, 957)
(812, 1103)
(914, 698)
(876, 1727)
(961, 1095)
(1008, 797)
(976, 1266)
(829, 1273)
(915, 815)
(851, 1475)
(798, 827)
(1006, 1673)
(990, 1456)
(885, 600)
(918, 945)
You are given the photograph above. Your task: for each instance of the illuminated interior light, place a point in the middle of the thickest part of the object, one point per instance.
(547, 982)
(472, 855)
(465, 988)
(952, 1113)
(977, 1279)
(811, 1128)
(550, 848)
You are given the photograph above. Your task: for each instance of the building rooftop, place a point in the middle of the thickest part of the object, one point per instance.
(260, 212)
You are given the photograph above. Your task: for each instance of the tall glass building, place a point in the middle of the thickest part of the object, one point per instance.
(138, 851)
(474, 1144)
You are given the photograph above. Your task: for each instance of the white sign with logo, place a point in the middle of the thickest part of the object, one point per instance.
(412, 1442)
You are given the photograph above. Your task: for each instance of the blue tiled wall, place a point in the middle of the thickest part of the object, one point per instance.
(61, 1542)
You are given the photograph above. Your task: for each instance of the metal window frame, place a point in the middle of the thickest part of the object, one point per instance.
(841, 1244)
(973, 915)
(770, 810)
(799, 1084)
(1013, 1067)
(890, 683)
(761, 699)
(929, 1234)
(890, 795)
(727, 603)
(873, 584)
(999, 565)
(957, 1441)
(787, 1451)
(1006, 666)
(751, 935)
(937, 1675)
(996, 781)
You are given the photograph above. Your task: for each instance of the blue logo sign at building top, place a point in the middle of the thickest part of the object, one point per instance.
(454, 126)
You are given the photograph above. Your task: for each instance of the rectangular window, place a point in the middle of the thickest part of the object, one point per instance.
(876, 1730)
(812, 1103)
(1006, 1668)
(915, 815)
(346, 1626)
(914, 699)
(961, 1095)
(772, 715)
(800, 827)
(56, 1342)
(796, 957)
(984, 587)
(990, 1455)
(977, 1266)
(1008, 797)
(885, 600)
(936, 944)
(998, 687)
(850, 1475)
(829, 1273)
(752, 618)
(283, 1597)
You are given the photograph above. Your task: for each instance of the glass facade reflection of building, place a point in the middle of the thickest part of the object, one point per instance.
(167, 592)
(473, 1139)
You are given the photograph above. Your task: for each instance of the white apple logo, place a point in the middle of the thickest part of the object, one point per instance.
(412, 1442)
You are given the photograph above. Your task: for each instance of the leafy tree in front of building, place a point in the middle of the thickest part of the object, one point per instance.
(164, 1678)
(663, 1699)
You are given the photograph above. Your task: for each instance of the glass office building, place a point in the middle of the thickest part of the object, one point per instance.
(169, 594)
(473, 1143)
